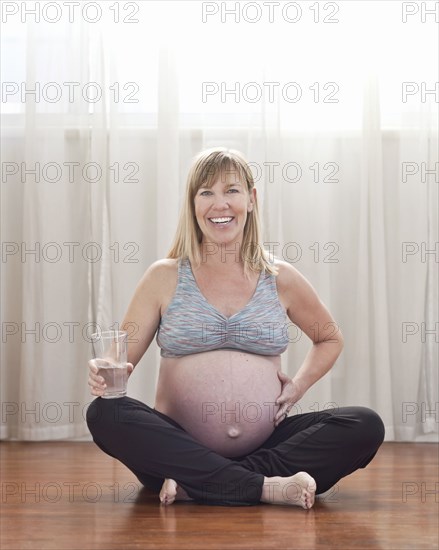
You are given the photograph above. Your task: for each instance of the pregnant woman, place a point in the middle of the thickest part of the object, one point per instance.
(219, 432)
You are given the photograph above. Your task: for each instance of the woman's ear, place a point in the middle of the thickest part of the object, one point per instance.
(252, 199)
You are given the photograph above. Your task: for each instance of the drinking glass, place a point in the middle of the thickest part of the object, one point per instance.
(110, 353)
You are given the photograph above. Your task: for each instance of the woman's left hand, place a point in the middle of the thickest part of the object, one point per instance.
(290, 394)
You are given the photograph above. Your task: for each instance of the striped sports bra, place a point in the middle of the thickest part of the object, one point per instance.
(191, 324)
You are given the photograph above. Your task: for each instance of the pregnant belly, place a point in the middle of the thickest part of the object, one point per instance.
(225, 399)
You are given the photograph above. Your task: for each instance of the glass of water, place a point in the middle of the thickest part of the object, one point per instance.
(110, 354)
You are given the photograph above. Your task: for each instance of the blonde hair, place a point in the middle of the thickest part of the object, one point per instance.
(205, 169)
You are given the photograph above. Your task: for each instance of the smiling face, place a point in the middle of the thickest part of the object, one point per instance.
(221, 210)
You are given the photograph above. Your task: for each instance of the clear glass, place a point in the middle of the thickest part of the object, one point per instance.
(110, 352)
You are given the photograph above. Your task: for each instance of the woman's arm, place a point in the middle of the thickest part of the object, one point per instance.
(141, 320)
(310, 315)
(144, 311)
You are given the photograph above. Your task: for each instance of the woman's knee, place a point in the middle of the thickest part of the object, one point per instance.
(92, 415)
(369, 426)
(99, 413)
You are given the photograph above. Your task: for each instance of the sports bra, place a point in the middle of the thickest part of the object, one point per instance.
(191, 324)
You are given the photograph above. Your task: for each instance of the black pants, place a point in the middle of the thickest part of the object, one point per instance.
(328, 445)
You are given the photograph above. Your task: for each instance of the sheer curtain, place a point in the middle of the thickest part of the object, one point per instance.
(93, 174)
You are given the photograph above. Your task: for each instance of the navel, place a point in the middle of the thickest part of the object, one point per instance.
(233, 432)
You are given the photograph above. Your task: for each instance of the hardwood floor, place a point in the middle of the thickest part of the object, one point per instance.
(71, 496)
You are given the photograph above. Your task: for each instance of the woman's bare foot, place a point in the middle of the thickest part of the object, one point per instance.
(298, 490)
(170, 491)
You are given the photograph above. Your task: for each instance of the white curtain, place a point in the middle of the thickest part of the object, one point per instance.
(344, 167)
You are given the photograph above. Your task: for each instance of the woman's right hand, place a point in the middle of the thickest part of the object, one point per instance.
(95, 381)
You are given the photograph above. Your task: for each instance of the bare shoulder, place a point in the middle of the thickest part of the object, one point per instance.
(164, 266)
(159, 282)
(161, 273)
(288, 275)
(293, 287)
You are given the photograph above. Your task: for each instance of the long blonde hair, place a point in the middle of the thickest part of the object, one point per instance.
(207, 166)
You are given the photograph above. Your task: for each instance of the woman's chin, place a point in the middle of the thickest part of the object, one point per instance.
(226, 240)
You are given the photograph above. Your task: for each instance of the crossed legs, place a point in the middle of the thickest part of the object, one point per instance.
(310, 448)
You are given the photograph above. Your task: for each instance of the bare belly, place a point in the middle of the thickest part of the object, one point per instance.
(225, 399)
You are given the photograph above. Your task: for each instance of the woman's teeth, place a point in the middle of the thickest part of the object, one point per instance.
(222, 221)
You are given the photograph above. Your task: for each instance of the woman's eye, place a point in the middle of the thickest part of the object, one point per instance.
(204, 193)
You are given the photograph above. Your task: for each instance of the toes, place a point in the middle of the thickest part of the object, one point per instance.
(309, 494)
(168, 492)
(310, 501)
(166, 499)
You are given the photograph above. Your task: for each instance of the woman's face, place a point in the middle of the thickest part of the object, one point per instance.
(221, 211)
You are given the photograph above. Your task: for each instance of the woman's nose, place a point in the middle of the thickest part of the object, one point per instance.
(221, 202)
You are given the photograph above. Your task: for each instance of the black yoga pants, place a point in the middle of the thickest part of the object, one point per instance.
(328, 445)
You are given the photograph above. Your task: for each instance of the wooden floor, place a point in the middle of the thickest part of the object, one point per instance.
(71, 495)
